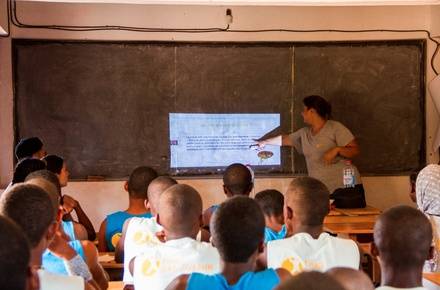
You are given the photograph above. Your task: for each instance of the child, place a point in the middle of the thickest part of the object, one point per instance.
(402, 242)
(237, 231)
(309, 247)
(311, 281)
(110, 230)
(30, 148)
(351, 279)
(180, 214)
(271, 202)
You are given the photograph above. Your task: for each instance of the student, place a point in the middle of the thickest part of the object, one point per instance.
(58, 166)
(30, 148)
(71, 230)
(16, 273)
(311, 281)
(34, 211)
(110, 230)
(25, 167)
(140, 233)
(428, 201)
(308, 247)
(412, 183)
(180, 214)
(351, 279)
(237, 180)
(237, 232)
(271, 202)
(402, 243)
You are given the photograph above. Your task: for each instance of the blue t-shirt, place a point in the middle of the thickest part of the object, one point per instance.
(115, 222)
(53, 264)
(68, 229)
(264, 280)
(271, 235)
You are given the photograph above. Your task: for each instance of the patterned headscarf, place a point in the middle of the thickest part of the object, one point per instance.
(428, 190)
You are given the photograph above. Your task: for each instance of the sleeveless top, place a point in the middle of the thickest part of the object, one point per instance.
(68, 229)
(54, 264)
(113, 230)
(302, 252)
(271, 235)
(264, 280)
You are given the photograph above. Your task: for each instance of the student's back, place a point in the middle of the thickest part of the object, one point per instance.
(309, 248)
(180, 209)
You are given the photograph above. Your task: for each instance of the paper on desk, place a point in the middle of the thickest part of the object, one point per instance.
(106, 258)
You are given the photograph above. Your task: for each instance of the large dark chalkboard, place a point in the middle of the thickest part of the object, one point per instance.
(104, 105)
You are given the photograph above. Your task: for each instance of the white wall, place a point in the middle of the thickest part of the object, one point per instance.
(100, 198)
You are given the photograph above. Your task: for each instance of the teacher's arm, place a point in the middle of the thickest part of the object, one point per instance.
(280, 140)
(348, 151)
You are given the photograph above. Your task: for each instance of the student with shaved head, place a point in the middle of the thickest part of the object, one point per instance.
(308, 247)
(180, 214)
(15, 268)
(312, 280)
(237, 180)
(139, 233)
(402, 242)
(351, 279)
(238, 234)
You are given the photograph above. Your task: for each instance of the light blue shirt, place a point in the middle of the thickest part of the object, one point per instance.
(271, 235)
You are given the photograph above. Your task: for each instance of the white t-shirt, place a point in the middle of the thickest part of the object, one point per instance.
(50, 281)
(302, 252)
(156, 267)
(140, 235)
(394, 288)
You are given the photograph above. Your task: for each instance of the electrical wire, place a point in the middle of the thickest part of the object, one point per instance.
(12, 14)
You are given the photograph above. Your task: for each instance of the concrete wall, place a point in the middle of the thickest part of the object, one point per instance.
(101, 198)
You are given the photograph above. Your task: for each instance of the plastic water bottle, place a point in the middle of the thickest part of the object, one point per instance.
(349, 178)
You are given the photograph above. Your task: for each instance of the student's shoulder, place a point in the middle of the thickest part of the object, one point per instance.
(179, 283)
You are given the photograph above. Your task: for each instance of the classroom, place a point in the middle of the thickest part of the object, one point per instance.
(299, 22)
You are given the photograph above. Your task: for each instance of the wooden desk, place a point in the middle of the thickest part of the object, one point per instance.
(114, 270)
(115, 285)
(432, 277)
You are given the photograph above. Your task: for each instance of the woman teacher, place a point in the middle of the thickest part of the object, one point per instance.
(327, 146)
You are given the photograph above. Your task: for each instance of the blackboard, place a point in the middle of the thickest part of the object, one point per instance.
(104, 105)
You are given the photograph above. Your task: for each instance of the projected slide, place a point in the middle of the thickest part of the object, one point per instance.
(217, 140)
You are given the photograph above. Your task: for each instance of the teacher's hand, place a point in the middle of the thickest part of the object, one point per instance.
(330, 155)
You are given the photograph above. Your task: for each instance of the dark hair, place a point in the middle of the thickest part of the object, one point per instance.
(14, 256)
(54, 163)
(403, 236)
(237, 228)
(271, 202)
(310, 199)
(25, 167)
(238, 179)
(30, 207)
(28, 147)
(311, 280)
(321, 106)
(139, 181)
(46, 175)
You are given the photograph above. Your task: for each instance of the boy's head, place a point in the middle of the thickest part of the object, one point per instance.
(30, 148)
(180, 211)
(156, 188)
(310, 281)
(31, 208)
(237, 228)
(139, 180)
(25, 167)
(402, 238)
(237, 180)
(14, 258)
(306, 203)
(271, 202)
(351, 279)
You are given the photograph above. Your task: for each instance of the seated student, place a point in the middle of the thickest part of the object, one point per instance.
(139, 233)
(17, 274)
(402, 242)
(309, 247)
(180, 214)
(271, 202)
(110, 230)
(412, 183)
(311, 281)
(72, 230)
(351, 279)
(428, 202)
(237, 231)
(58, 166)
(30, 148)
(25, 167)
(34, 210)
(237, 180)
